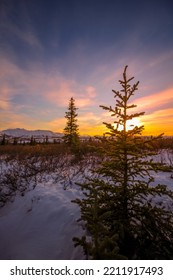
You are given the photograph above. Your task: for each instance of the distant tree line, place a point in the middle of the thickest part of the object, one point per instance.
(10, 140)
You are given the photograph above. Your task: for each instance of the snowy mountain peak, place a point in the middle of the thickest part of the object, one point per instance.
(19, 132)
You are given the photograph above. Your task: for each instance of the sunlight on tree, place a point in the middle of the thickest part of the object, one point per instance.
(130, 124)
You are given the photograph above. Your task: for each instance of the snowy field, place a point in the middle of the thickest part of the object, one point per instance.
(42, 223)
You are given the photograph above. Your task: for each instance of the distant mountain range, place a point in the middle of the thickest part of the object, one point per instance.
(21, 132)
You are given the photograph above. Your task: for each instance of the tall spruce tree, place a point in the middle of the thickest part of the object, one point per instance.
(123, 209)
(71, 131)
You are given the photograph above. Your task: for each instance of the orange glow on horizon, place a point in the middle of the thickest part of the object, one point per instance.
(148, 131)
(151, 126)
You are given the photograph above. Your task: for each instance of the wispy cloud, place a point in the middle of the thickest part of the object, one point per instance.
(60, 90)
(25, 32)
(156, 100)
(161, 117)
(5, 103)
(36, 82)
(28, 92)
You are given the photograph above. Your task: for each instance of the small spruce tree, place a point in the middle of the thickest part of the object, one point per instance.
(71, 131)
(3, 142)
(32, 141)
(15, 141)
(123, 209)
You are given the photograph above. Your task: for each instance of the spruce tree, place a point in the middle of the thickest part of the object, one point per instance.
(32, 141)
(71, 131)
(123, 209)
(3, 142)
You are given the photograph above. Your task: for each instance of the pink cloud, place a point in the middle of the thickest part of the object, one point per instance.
(28, 36)
(4, 104)
(161, 116)
(52, 87)
(155, 100)
(60, 91)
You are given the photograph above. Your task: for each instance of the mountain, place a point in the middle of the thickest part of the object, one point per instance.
(21, 132)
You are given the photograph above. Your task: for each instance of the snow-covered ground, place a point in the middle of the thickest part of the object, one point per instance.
(42, 223)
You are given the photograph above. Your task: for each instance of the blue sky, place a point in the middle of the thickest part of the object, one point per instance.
(52, 50)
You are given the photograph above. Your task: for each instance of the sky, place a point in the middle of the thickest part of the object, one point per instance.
(52, 50)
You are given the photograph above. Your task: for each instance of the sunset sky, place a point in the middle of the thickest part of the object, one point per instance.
(51, 50)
